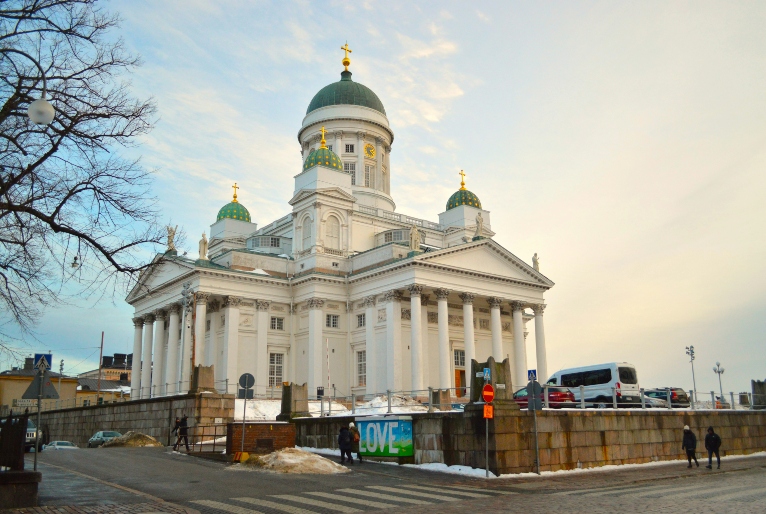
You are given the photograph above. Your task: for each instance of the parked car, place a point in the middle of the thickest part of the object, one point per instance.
(558, 398)
(654, 403)
(678, 397)
(100, 438)
(31, 437)
(598, 381)
(60, 445)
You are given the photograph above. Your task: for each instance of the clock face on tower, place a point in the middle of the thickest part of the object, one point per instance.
(369, 151)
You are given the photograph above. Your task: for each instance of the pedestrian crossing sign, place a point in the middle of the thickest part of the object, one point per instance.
(43, 361)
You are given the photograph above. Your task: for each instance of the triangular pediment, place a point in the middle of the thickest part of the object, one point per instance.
(331, 192)
(162, 271)
(487, 257)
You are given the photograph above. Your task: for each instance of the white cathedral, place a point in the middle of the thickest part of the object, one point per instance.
(343, 291)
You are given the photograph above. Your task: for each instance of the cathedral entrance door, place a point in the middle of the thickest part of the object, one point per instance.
(459, 383)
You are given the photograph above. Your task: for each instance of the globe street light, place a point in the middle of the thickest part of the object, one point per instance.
(719, 371)
(690, 353)
(40, 111)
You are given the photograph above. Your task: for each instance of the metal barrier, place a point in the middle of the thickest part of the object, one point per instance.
(207, 438)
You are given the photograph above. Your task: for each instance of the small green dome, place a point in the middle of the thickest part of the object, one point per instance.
(323, 157)
(235, 211)
(463, 197)
(346, 92)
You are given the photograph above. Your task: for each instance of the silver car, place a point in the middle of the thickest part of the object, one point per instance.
(100, 438)
(60, 445)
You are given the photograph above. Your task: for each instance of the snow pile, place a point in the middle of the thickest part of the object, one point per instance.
(338, 409)
(294, 460)
(455, 470)
(131, 439)
(399, 405)
(257, 410)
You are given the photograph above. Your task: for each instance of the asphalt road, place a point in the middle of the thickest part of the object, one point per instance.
(125, 476)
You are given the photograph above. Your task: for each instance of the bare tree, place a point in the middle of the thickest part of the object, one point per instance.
(67, 198)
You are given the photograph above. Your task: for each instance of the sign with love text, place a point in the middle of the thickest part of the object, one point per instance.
(389, 436)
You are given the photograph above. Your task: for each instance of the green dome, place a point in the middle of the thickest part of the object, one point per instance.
(346, 92)
(323, 157)
(235, 211)
(463, 197)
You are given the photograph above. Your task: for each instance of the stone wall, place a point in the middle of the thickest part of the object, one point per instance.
(261, 437)
(154, 417)
(568, 439)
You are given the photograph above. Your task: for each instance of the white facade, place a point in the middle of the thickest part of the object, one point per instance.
(332, 295)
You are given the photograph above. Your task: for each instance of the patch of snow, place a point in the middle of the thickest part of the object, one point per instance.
(257, 410)
(455, 470)
(338, 409)
(292, 460)
(399, 405)
(258, 271)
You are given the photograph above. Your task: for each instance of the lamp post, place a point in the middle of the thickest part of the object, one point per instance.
(40, 111)
(690, 353)
(719, 371)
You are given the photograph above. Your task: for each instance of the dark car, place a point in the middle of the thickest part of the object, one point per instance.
(100, 438)
(678, 397)
(558, 398)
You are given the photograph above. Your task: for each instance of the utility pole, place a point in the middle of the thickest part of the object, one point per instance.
(690, 353)
(61, 373)
(100, 361)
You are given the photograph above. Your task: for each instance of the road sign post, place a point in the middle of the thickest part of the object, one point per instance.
(487, 394)
(246, 382)
(534, 403)
(42, 364)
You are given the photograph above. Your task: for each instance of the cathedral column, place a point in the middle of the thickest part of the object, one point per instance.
(519, 346)
(146, 357)
(445, 381)
(184, 379)
(316, 324)
(468, 340)
(211, 347)
(159, 353)
(231, 341)
(425, 362)
(542, 359)
(171, 363)
(360, 160)
(135, 373)
(497, 328)
(394, 340)
(200, 324)
(261, 346)
(387, 164)
(416, 337)
(338, 145)
(371, 346)
(380, 181)
(215, 346)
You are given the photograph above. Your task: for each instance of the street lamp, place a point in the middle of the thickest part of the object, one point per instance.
(690, 353)
(719, 371)
(41, 112)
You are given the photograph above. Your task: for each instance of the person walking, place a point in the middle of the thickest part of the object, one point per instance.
(175, 433)
(355, 438)
(712, 444)
(690, 445)
(183, 433)
(344, 443)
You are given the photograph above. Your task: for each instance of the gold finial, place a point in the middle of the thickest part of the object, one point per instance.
(323, 142)
(235, 187)
(462, 180)
(346, 61)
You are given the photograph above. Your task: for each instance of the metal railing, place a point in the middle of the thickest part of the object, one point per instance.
(207, 438)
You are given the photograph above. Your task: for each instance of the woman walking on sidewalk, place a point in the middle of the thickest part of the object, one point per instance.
(355, 437)
(690, 445)
(344, 443)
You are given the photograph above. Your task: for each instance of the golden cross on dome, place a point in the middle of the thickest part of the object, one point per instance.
(323, 142)
(462, 180)
(235, 187)
(346, 61)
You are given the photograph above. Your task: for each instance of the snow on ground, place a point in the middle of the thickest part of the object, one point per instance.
(267, 410)
(399, 405)
(455, 470)
(291, 460)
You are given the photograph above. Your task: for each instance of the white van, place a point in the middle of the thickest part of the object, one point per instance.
(598, 381)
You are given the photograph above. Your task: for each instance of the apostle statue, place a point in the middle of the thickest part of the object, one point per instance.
(535, 262)
(414, 238)
(171, 237)
(479, 225)
(203, 247)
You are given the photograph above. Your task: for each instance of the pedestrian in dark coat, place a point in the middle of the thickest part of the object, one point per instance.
(175, 432)
(355, 438)
(182, 427)
(344, 443)
(690, 445)
(712, 444)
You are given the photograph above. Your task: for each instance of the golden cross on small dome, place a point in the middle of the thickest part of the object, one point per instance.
(235, 187)
(462, 180)
(323, 142)
(346, 61)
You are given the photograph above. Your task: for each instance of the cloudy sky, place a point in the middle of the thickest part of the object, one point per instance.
(623, 142)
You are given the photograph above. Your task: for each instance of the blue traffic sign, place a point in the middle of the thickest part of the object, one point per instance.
(531, 374)
(43, 361)
(486, 374)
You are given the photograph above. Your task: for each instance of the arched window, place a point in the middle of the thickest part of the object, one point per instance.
(306, 234)
(333, 233)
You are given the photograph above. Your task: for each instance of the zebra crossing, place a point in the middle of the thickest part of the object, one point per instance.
(709, 489)
(350, 500)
